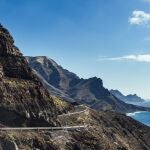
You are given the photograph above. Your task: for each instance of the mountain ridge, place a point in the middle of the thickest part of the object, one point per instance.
(131, 98)
(85, 91)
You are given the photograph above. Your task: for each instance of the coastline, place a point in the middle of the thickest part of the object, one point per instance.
(143, 117)
(134, 113)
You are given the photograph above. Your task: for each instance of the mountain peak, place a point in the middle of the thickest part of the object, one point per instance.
(7, 46)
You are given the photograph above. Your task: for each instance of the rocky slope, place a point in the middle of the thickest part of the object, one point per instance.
(110, 131)
(131, 98)
(85, 91)
(24, 100)
(105, 131)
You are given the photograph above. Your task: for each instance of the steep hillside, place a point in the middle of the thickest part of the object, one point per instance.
(24, 100)
(85, 91)
(54, 74)
(105, 131)
(109, 131)
(53, 90)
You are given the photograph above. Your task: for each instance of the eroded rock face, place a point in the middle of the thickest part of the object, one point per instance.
(7, 46)
(23, 99)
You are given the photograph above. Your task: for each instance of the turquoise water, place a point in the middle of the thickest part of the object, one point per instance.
(143, 117)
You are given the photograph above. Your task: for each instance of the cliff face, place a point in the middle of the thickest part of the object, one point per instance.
(24, 100)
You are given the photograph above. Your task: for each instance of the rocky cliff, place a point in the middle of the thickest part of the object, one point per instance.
(24, 100)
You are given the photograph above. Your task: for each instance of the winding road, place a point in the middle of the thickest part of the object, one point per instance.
(44, 128)
(76, 112)
(51, 128)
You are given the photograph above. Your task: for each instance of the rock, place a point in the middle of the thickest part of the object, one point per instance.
(8, 145)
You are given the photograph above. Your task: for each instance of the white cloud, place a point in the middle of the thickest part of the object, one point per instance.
(138, 58)
(140, 18)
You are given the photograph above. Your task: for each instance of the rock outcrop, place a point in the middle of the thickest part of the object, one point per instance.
(23, 99)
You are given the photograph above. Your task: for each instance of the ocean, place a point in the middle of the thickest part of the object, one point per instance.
(143, 117)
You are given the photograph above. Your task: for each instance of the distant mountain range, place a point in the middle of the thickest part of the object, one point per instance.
(68, 85)
(132, 98)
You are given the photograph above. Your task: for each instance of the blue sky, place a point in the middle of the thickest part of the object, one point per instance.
(109, 39)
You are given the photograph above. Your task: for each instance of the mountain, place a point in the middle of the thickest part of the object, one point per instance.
(54, 74)
(129, 98)
(84, 91)
(24, 100)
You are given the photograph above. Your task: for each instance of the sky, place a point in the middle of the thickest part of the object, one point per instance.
(109, 39)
